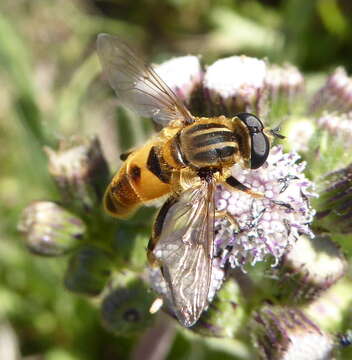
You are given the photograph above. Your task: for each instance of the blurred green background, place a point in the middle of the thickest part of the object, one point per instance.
(50, 87)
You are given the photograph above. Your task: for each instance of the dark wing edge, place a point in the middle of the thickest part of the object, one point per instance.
(137, 85)
(184, 251)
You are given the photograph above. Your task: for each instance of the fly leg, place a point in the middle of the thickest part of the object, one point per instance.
(235, 184)
(125, 155)
(232, 223)
(225, 214)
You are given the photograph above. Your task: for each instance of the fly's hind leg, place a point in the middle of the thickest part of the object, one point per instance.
(234, 225)
(225, 214)
(125, 155)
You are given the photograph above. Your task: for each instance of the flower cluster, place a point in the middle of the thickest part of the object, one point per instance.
(268, 225)
(232, 85)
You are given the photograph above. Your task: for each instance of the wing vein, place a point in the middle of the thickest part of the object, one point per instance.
(137, 85)
(184, 250)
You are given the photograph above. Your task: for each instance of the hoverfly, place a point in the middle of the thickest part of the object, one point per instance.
(186, 160)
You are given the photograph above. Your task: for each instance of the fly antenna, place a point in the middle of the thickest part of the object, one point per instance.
(276, 132)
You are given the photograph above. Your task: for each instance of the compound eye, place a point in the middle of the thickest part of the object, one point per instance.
(253, 124)
(259, 149)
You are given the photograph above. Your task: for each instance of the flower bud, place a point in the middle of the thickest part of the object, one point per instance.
(311, 267)
(335, 95)
(125, 309)
(182, 74)
(235, 84)
(282, 333)
(334, 205)
(88, 271)
(284, 82)
(338, 126)
(9, 342)
(225, 315)
(49, 229)
(80, 171)
(332, 309)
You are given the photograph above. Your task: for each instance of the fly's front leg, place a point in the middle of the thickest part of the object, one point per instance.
(237, 185)
(233, 183)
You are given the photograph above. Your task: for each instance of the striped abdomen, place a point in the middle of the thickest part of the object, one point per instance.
(208, 143)
(143, 177)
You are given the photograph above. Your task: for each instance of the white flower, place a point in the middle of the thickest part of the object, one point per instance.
(299, 133)
(235, 83)
(236, 74)
(182, 74)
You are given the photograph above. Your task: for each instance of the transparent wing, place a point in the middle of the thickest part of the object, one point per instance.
(137, 85)
(184, 251)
